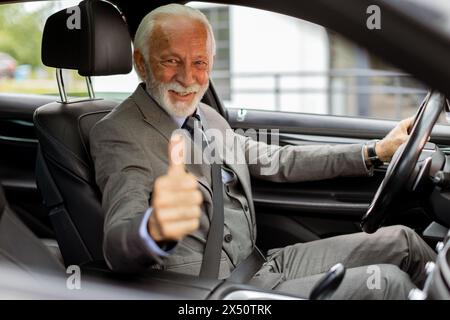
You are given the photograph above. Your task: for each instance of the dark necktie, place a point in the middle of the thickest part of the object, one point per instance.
(192, 123)
(194, 126)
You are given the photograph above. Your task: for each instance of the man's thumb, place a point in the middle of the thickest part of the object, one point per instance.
(176, 153)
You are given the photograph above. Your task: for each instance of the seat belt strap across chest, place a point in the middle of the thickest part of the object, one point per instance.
(213, 249)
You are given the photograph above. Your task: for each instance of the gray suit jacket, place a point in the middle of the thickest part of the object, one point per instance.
(129, 149)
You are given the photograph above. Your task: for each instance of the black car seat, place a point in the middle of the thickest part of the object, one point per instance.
(100, 45)
(20, 249)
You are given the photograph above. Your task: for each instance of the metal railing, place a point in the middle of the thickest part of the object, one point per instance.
(348, 82)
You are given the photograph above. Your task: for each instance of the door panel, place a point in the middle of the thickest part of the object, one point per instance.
(323, 125)
(18, 147)
(306, 211)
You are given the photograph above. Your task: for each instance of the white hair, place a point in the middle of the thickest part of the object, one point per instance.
(147, 24)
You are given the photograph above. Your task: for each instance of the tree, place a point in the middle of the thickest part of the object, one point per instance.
(21, 31)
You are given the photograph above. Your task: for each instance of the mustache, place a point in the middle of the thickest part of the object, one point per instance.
(178, 88)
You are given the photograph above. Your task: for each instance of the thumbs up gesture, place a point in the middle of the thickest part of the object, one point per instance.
(176, 199)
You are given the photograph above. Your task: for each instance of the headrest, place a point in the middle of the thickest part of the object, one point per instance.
(92, 38)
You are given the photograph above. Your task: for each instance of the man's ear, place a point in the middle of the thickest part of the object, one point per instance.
(139, 63)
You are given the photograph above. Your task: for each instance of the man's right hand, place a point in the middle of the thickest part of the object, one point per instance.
(176, 199)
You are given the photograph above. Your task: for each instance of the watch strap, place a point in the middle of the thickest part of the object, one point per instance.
(372, 154)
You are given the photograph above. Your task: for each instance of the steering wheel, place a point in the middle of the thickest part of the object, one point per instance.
(403, 162)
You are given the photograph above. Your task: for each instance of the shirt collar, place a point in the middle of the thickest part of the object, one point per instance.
(180, 120)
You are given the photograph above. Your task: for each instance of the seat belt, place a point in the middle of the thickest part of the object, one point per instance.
(248, 267)
(213, 249)
(211, 257)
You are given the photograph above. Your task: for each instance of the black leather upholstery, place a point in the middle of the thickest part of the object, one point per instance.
(20, 249)
(65, 176)
(2, 201)
(64, 169)
(101, 45)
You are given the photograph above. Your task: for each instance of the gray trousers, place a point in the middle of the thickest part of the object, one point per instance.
(383, 265)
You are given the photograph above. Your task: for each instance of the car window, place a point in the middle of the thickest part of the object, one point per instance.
(264, 60)
(21, 68)
(270, 61)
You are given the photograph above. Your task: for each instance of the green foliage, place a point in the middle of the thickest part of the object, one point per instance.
(21, 32)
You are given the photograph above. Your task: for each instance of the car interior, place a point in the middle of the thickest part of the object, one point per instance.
(50, 210)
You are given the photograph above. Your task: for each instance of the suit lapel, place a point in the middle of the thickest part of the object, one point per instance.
(241, 170)
(156, 117)
(153, 114)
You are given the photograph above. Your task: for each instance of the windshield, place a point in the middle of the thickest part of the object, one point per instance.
(433, 13)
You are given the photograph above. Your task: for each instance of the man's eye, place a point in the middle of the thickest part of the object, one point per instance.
(171, 62)
(201, 63)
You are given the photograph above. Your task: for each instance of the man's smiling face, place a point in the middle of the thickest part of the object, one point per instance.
(180, 59)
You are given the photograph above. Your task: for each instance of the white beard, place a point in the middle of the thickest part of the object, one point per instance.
(160, 92)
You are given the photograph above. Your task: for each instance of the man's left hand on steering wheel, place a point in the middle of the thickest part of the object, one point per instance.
(404, 161)
(386, 148)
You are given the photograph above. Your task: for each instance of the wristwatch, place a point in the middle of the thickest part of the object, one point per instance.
(373, 157)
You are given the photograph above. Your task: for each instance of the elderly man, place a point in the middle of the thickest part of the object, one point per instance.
(158, 212)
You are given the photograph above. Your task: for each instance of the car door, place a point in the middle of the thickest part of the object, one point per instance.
(18, 145)
(307, 211)
(27, 86)
(309, 86)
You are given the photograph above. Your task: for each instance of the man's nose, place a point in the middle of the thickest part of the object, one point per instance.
(185, 75)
